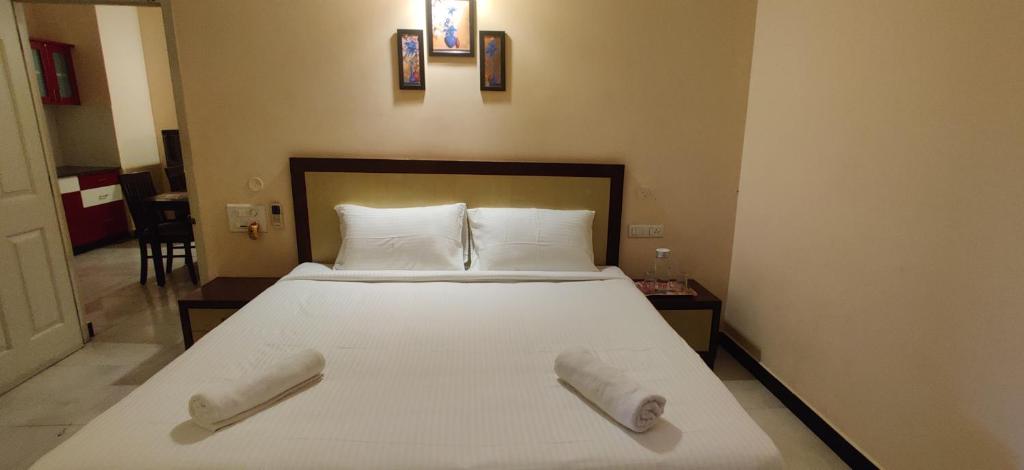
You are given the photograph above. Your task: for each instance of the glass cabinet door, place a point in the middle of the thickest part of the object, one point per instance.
(37, 59)
(55, 72)
(61, 71)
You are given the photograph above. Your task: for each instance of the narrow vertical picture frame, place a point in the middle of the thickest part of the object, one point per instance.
(492, 61)
(411, 73)
(451, 28)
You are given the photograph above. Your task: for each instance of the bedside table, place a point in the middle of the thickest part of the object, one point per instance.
(230, 293)
(672, 306)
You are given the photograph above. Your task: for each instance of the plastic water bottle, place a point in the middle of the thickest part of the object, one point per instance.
(663, 270)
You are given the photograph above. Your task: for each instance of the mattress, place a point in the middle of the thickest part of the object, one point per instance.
(429, 372)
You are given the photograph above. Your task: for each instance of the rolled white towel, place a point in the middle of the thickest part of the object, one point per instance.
(610, 389)
(220, 405)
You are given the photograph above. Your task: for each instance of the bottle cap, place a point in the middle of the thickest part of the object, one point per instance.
(662, 252)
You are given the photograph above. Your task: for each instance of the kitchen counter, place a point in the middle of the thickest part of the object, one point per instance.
(73, 170)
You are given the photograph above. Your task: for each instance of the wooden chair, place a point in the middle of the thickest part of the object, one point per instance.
(176, 178)
(152, 229)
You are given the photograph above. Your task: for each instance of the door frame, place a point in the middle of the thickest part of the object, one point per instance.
(179, 104)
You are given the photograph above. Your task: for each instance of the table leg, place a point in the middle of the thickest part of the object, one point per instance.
(190, 263)
(158, 262)
(716, 318)
(186, 325)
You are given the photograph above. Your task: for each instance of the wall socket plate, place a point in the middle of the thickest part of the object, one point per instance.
(241, 215)
(646, 231)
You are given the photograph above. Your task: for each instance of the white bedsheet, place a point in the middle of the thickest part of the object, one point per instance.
(431, 375)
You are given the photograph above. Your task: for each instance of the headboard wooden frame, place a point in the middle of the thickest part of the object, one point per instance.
(300, 166)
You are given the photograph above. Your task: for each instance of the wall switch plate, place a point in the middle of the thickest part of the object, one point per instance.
(276, 216)
(646, 231)
(241, 215)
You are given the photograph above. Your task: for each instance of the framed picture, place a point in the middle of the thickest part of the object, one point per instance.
(492, 60)
(410, 60)
(452, 27)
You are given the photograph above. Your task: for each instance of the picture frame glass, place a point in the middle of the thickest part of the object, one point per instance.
(451, 25)
(492, 51)
(411, 51)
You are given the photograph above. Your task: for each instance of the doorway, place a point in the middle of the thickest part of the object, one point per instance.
(78, 74)
(102, 74)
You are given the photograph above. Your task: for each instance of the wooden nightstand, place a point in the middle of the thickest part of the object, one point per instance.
(229, 293)
(673, 305)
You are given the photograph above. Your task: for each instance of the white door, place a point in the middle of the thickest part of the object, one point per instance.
(38, 317)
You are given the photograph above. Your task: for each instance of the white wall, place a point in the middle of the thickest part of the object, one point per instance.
(878, 262)
(129, 87)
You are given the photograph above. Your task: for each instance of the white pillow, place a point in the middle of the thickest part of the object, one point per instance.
(505, 239)
(413, 238)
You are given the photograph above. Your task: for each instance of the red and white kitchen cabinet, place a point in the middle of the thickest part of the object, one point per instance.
(93, 206)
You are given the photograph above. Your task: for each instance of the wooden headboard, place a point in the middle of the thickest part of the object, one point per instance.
(318, 184)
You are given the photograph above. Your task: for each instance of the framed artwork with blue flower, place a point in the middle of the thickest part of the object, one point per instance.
(410, 60)
(492, 60)
(452, 27)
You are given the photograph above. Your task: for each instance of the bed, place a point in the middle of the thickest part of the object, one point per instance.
(433, 370)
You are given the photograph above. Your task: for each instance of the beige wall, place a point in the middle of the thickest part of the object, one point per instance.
(658, 85)
(82, 135)
(154, 46)
(129, 88)
(878, 259)
(132, 63)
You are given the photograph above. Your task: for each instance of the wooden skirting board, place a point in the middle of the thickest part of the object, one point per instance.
(835, 441)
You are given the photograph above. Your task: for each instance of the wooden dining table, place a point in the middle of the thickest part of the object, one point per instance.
(176, 202)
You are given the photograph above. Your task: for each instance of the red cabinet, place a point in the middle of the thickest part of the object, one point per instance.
(55, 72)
(98, 180)
(93, 207)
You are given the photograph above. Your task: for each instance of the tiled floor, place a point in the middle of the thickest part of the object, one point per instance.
(137, 333)
(800, 448)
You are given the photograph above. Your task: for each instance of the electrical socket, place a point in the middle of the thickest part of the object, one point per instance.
(646, 231)
(241, 215)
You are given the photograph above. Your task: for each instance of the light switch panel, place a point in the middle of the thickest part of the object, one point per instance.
(646, 231)
(241, 215)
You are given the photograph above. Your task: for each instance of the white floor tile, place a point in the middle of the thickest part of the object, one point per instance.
(20, 447)
(727, 368)
(137, 334)
(800, 448)
(64, 395)
(98, 353)
(166, 333)
(752, 395)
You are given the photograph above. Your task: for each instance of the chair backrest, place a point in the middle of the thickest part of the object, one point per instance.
(176, 178)
(172, 147)
(136, 187)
